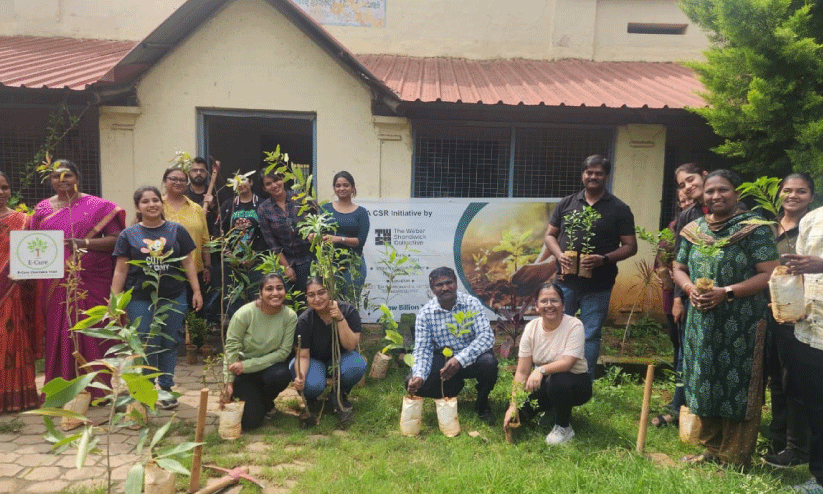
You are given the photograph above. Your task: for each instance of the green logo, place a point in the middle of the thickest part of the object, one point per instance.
(37, 247)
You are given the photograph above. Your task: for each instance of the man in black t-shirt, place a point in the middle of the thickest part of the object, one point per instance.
(614, 240)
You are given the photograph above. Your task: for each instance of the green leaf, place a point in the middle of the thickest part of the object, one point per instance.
(408, 359)
(172, 466)
(160, 433)
(141, 388)
(394, 337)
(134, 480)
(83, 448)
(58, 391)
(177, 449)
(59, 412)
(141, 440)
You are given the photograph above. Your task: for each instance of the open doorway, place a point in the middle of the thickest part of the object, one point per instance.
(238, 139)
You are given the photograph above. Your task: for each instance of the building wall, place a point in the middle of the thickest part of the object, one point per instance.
(103, 19)
(536, 29)
(249, 57)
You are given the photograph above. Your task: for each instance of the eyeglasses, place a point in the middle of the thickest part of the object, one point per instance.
(175, 180)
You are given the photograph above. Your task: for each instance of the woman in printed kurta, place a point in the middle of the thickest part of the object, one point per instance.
(725, 328)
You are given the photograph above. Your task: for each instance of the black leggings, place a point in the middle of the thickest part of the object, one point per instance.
(484, 369)
(258, 390)
(562, 392)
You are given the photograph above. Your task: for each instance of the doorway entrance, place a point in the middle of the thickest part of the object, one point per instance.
(238, 139)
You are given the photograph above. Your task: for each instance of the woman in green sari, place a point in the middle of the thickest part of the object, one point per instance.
(725, 326)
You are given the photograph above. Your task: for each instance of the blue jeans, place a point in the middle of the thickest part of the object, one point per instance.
(350, 289)
(161, 349)
(594, 307)
(352, 369)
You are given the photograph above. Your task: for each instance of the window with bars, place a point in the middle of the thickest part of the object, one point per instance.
(489, 162)
(23, 133)
(462, 162)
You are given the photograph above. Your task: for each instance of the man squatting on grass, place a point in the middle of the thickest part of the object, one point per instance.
(614, 240)
(472, 353)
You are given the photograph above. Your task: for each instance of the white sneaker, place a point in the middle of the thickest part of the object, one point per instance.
(560, 435)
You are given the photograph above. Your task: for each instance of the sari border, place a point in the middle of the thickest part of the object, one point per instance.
(96, 229)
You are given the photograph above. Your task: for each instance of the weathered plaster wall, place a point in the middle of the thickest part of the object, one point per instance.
(249, 57)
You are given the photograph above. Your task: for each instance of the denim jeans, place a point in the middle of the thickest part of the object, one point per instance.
(161, 349)
(352, 368)
(594, 307)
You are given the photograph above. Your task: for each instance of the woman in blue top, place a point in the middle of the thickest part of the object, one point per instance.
(161, 244)
(352, 231)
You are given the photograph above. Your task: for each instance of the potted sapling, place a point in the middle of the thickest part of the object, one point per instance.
(196, 330)
(392, 265)
(571, 223)
(588, 218)
(786, 290)
(229, 425)
(447, 406)
(710, 253)
(519, 398)
(663, 244)
(380, 363)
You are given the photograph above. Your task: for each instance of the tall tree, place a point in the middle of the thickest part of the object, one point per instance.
(764, 81)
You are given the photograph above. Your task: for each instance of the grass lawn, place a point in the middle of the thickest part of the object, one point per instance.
(372, 456)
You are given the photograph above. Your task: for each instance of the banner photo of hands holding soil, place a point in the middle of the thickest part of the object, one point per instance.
(495, 247)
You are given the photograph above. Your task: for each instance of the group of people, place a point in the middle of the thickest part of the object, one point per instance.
(726, 342)
(728, 346)
(169, 237)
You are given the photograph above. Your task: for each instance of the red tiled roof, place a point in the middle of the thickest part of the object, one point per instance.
(43, 62)
(538, 82)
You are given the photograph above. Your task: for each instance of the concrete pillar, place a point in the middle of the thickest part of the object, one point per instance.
(396, 148)
(117, 164)
(638, 170)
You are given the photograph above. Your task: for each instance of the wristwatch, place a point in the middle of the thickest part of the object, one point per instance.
(606, 259)
(729, 294)
(540, 368)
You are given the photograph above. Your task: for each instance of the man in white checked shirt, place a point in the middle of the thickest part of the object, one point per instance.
(470, 355)
(806, 366)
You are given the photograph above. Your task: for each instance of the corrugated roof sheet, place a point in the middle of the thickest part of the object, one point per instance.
(46, 62)
(538, 82)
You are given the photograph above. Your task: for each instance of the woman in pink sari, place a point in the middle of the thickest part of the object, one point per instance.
(90, 225)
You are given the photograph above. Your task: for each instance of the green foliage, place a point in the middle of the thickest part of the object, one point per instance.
(516, 244)
(763, 75)
(766, 194)
(710, 255)
(197, 326)
(464, 322)
(520, 396)
(579, 225)
(662, 241)
(394, 265)
(130, 384)
(390, 327)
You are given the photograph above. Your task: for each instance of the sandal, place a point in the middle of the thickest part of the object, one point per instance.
(664, 420)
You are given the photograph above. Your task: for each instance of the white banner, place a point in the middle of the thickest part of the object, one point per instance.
(36, 254)
(495, 248)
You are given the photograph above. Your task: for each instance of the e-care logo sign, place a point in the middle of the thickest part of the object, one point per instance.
(36, 254)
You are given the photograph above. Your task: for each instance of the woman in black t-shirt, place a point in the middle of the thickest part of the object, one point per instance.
(165, 247)
(314, 326)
